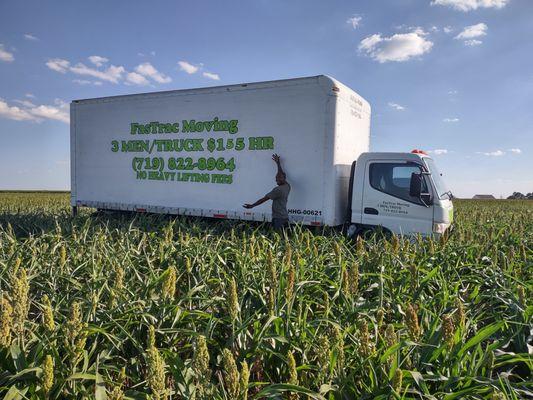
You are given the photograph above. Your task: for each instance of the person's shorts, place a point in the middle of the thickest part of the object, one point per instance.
(279, 223)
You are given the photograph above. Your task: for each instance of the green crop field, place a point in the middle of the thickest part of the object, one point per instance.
(143, 306)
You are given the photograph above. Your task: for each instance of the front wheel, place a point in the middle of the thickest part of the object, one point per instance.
(352, 230)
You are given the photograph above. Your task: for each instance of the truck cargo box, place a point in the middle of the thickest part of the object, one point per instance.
(205, 152)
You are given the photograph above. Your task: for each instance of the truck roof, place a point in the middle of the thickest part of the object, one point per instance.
(323, 79)
(393, 155)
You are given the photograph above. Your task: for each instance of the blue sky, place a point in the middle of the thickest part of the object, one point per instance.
(453, 77)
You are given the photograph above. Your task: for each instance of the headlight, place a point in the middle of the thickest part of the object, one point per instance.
(440, 227)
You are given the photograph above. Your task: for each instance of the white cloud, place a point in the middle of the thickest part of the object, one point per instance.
(468, 5)
(354, 21)
(98, 60)
(111, 74)
(58, 64)
(439, 151)
(399, 47)
(450, 120)
(188, 67)
(29, 95)
(473, 42)
(148, 70)
(473, 31)
(396, 106)
(136, 79)
(49, 112)
(86, 82)
(515, 151)
(25, 103)
(14, 112)
(30, 37)
(211, 75)
(452, 92)
(5, 55)
(496, 153)
(447, 29)
(81, 81)
(31, 112)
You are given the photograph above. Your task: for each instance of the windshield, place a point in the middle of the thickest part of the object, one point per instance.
(440, 185)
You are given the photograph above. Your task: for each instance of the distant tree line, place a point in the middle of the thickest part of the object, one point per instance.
(520, 196)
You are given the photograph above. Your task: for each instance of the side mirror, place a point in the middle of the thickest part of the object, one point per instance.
(415, 188)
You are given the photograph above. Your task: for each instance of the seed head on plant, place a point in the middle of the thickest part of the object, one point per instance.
(6, 321)
(48, 374)
(345, 284)
(188, 265)
(118, 280)
(231, 375)
(360, 245)
(169, 283)
(326, 303)
(287, 258)
(75, 333)
(338, 252)
(521, 295)
(293, 374)
(414, 276)
(233, 300)
(366, 346)
(291, 275)
(395, 244)
(411, 320)
(339, 345)
(397, 380)
(48, 314)
(354, 279)
(448, 330)
(271, 301)
(155, 373)
(201, 358)
(459, 315)
(390, 336)
(151, 337)
(20, 289)
(323, 353)
(62, 257)
(272, 273)
(243, 382)
(117, 393)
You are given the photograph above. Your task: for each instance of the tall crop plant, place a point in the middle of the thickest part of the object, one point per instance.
(146, 306)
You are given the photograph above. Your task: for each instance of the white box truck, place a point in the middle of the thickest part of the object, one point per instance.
(205, 152)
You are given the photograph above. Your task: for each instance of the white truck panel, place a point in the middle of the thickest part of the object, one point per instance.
(309, 126)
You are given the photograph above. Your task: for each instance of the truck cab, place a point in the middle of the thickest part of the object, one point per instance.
(403, 193)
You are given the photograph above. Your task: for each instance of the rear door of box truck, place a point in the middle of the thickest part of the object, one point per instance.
(205, 151)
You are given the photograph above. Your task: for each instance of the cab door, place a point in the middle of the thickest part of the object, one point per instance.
(386, 198)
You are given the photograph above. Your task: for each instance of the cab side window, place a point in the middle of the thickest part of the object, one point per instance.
(395, 179)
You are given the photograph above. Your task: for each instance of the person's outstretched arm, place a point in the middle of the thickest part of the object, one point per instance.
(276, 159)
(257, 203)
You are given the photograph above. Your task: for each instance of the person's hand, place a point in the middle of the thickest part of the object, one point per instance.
(275, 157)
(248, 206)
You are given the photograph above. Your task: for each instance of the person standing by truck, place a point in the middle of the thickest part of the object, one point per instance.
(279, 196)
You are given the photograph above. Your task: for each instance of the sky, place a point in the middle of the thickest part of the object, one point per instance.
(451, 77)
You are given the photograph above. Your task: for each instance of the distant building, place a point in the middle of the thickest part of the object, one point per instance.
(484, 197)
